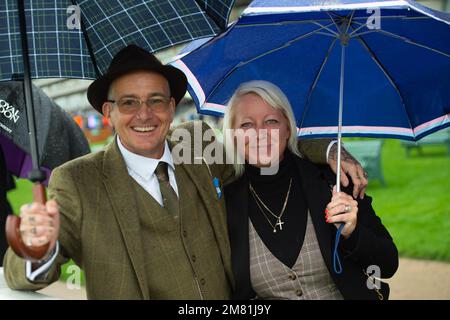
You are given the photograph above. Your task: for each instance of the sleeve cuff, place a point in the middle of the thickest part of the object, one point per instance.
(40, 272)
(350, 244)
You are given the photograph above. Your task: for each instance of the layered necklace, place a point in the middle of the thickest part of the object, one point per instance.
(279, 223)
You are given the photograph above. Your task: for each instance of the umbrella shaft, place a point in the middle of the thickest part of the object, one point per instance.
(341, 108)
(28, 94)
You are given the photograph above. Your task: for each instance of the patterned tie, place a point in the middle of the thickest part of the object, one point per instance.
(170, 199)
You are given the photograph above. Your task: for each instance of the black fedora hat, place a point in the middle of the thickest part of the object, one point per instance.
(132, 58)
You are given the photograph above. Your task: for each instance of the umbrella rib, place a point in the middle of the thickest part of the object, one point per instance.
(281, 23)
(403, 17)
(240, 64)
(88, 44)
(386, 73)
(412, 42)
(327, 34)
(216, 21)
(393, 35)
(333, 33)
(361, 25)
(352, 35)
(334, 22)
(316, 79)
(350, 21)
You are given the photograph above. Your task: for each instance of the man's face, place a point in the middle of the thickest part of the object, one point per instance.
(143, 131)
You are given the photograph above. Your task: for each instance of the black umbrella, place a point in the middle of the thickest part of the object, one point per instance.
(59, 139)
(82, 45)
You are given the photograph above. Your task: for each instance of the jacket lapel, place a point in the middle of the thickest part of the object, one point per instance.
(123, 200)
(318, 196)
(201, 178)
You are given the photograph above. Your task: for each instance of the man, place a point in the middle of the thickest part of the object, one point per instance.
(141, 225)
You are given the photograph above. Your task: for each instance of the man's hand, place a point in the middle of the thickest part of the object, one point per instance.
(40, 225)
(352, 167)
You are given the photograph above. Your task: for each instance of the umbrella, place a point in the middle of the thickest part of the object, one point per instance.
(59, 140)
(397, 77)
(77, 39)
(392, 56)
(59, 137)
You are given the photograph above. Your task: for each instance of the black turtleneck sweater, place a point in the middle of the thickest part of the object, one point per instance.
(272, 189)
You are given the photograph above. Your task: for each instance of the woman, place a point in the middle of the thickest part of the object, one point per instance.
(282, 226)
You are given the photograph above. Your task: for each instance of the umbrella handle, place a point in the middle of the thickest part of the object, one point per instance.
(33, 254)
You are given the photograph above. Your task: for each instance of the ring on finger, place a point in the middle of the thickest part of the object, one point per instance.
(347, 208)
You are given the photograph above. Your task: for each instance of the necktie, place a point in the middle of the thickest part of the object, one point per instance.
(170, 199)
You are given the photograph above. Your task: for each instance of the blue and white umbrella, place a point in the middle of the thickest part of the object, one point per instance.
(392, 56)
(396, 54)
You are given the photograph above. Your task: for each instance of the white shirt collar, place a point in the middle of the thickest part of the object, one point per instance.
(143, 166)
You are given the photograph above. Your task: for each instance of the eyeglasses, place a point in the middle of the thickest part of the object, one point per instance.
(133, 105)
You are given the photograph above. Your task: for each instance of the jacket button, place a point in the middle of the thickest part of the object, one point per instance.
(202, 281)
(292, 276)
(299, 292)
(184, 233)
(194, 258)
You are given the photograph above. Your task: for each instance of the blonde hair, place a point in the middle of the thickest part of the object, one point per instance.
(273, 96)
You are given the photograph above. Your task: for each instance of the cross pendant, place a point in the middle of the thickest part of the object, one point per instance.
(279, 224)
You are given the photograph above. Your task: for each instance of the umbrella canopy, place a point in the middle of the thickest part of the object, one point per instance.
(397, 65)
(77, 39)
(59, 137)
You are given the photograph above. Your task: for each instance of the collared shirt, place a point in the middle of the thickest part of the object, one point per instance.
(142, 170)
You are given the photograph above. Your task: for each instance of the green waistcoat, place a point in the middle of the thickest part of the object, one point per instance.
(182, 259)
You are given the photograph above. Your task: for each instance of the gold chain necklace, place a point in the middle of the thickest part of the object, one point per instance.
(258, 200)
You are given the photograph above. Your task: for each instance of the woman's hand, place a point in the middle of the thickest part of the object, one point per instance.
(342, 209)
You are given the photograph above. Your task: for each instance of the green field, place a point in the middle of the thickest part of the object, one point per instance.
(414, 206)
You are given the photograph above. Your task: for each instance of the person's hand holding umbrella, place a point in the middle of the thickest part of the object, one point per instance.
(40, 225)
(342, 209)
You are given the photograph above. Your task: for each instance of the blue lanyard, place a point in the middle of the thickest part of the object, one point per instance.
(336, 261)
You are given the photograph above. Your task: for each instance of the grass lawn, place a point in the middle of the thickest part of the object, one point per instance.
(414, 206)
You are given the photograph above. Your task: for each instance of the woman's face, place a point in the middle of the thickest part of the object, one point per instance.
(264, 131)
